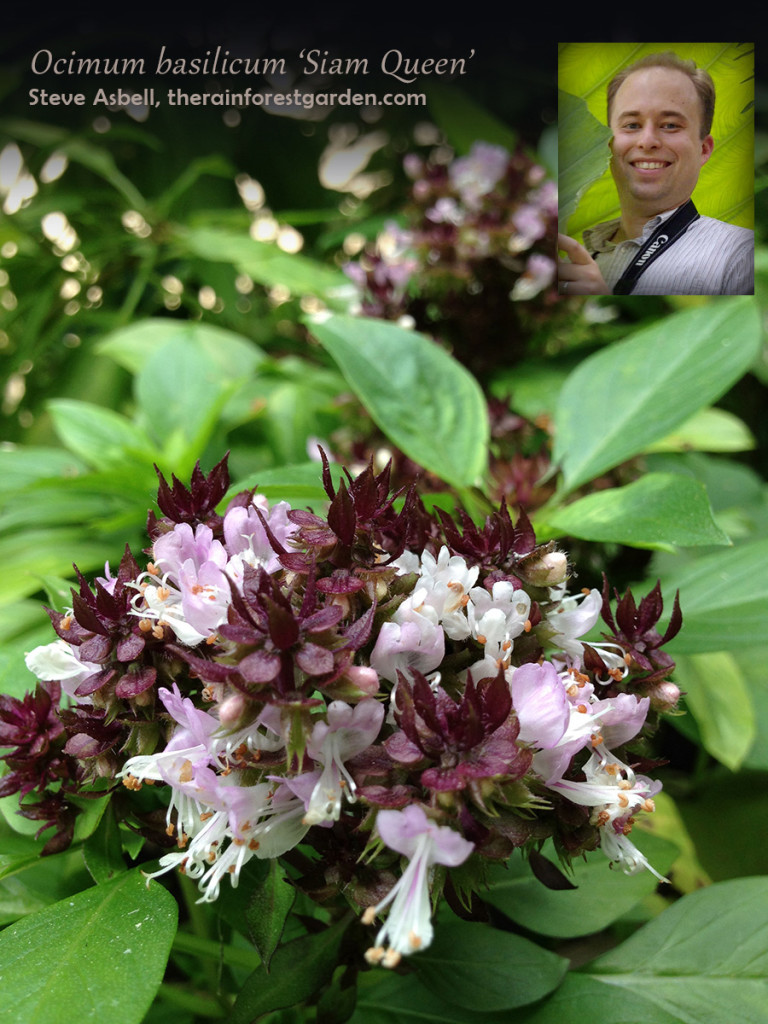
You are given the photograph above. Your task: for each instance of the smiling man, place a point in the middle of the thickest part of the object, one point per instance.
(660, 111)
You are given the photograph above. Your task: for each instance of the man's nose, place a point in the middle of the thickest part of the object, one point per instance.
(649, 137)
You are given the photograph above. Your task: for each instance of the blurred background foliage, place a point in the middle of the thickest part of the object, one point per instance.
(172, 286)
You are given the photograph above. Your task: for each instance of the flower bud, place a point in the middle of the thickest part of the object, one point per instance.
(664, 696)
(231, 710)
(357, 682)
(543, 568)
(364, 678)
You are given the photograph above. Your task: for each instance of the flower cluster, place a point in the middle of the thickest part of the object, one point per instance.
(478, 245)
(379, 684)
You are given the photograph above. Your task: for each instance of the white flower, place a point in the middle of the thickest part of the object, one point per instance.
(246, 538)
(221, 825)
(349, 731)
(616, 795)
(496, 619)
(573, 617)
(445, 583)
(159, 601)
(409, 926)
(411, 640)
(58, 662)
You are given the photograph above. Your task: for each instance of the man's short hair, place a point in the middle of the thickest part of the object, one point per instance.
(702, 83)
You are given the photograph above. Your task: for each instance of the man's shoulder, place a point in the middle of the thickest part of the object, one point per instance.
(712, 257)
(722, 231)
(597, 236)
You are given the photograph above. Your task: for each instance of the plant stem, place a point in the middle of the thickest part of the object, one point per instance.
(209, 949)
(198, 1002)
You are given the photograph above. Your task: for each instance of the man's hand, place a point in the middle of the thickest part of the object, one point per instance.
(579, 274)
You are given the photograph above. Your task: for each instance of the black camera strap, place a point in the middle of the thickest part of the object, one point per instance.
(665, 235)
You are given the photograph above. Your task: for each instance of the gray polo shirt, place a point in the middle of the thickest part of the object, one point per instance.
(711, 258)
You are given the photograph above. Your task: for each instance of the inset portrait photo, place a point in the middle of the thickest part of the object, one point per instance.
(656, 158)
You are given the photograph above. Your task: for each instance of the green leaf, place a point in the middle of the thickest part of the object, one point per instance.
(290, 418)
(717, 695)
(21, 467)
(297, 484)
(421, 398)
(100, 436)
(623, 398)
(266, 915)
(487, 969)
(57, 505)
(659, 510)
(87, 956)
(9, 810)
(92, 810)
(533, 385)
(17, 851)
(465, 122)
(703, 961)
(23, 617)
(709, 430)
(32, 886)
(603, 895)
(264, 261)
(27, 556)
(58, 592)
(585, 1000)
(583, 153)
(705, 958)
(299, 969)
(724, 600)
(133, 346)
(15, 677)
(727, 820)
(388, 998)
(103, 850)
(180, 392)
(729, 484)
(752, 662)
(337, 1002)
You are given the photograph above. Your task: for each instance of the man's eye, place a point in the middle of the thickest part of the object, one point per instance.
(671, 125)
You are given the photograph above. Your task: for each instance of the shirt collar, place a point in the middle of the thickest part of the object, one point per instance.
(597, 239)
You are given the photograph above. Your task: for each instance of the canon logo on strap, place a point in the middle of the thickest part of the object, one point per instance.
(652, 249)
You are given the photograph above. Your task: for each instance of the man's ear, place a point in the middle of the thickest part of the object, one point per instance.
(707, 145)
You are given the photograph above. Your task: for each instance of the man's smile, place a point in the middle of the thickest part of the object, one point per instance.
(650, 165)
